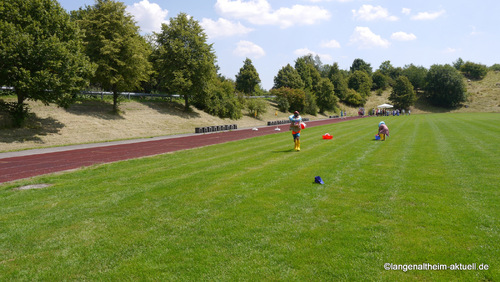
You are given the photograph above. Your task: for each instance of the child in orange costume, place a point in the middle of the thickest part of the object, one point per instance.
(295, 121)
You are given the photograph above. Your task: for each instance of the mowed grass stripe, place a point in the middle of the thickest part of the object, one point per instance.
(466, 185)
(440, 219)
(248, 210)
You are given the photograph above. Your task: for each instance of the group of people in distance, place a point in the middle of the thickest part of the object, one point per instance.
(296, 125)
(384, 112)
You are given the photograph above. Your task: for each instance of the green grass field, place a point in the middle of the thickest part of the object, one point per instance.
(249, 210)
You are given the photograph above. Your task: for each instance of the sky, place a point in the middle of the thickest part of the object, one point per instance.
(274, 33)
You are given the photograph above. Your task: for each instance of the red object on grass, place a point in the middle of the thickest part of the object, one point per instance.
(327, 136)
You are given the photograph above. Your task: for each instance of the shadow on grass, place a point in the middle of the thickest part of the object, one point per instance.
(101, 109)
(424, 105)
(35, 128)
(169, 107)
(284, 151)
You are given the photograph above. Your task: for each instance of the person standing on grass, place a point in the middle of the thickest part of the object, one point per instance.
(383, 130)
(295, 121)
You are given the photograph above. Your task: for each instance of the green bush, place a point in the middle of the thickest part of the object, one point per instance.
(283, 104)
(473, 70)
(495, 67)
(353, 98)
(256, 107)
(220, 100)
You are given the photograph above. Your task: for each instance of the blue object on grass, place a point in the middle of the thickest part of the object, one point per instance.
(318, 179)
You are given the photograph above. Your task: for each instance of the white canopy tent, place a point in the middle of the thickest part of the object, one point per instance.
(385, 106)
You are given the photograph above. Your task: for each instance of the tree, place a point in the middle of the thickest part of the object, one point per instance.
(308, 69)
(403, 95)
(380, 80)
(339, 81)
(445, 86)
(318, 64)
(416, 75)
(458, 63)
(184, 60)
(151, 85)
(303, 69)
(40, 55)
(326, 96)
(311, 107)
(288, 77)
(308, 72)
(248, 78)
(296, 97)
(390, 71)
(360, 65)
(361, 82)
(386, 68)
(113, 42)
(474, 71)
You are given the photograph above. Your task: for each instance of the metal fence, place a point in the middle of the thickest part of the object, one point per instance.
(127, 94)
(133, 94)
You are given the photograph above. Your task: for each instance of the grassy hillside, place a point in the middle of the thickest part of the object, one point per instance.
(483, 96)
(92, 121)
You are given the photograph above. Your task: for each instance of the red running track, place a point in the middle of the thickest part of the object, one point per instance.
(14, 168)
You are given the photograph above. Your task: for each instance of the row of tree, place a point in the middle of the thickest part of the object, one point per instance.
(310, 83)
(49, 55)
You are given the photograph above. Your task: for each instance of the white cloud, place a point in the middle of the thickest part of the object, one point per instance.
(366, 39)
(259, 12)
(406, 11)
(424, 16)
(305, 51)
(248, 49)
(450, 50)
(223, 27)
(149, 16)
(239, 9)
(341, 1)
(403, 36)
(370, 13)
(474, 32)
(330, 44)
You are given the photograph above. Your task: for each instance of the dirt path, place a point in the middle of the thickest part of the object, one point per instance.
(40, 162)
